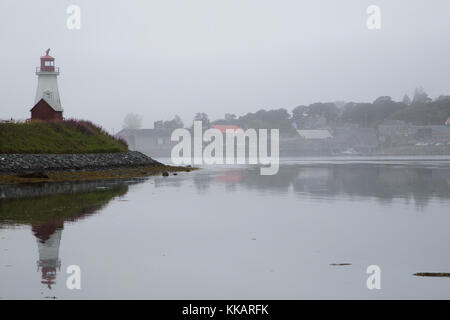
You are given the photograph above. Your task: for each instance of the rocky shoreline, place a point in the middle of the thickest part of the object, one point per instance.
(23, 163)
(43, 168)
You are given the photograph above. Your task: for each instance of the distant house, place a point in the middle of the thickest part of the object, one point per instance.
(424, 133)
(155, 142)
(363, 140)
(224, 127)
(44, 111)
(393, 127)
(396, 132)
(399, 133)
(440, 133)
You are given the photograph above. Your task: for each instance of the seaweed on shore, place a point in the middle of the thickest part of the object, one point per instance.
(86, 175)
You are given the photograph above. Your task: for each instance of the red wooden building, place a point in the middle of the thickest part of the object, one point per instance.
(44, 111)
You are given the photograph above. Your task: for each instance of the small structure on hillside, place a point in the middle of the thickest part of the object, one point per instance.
(47, 104)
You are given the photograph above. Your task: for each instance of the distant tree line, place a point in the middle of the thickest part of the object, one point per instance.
(173, 124)
(420, 110)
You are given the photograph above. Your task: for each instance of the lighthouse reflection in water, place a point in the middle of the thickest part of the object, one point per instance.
(48, 236)
(46, 208)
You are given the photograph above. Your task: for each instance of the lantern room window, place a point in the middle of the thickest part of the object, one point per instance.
(48, 63)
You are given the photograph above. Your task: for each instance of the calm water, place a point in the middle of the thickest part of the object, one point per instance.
(229, 233)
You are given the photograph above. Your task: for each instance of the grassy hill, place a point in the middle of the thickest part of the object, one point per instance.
(57, 137)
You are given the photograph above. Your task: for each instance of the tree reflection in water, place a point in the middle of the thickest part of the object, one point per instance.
(383, 182)
(47, 207)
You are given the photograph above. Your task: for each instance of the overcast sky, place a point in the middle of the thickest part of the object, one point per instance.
(167, 57)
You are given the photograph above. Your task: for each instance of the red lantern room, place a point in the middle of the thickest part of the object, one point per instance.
(47, 63)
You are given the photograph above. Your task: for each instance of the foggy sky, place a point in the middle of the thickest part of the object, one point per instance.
(167, 57)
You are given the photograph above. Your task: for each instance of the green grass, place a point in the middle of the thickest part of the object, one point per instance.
(57, 137)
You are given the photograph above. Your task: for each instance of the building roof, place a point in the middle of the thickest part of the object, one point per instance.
(54, 104)
(224, 127)
(47, 57)
(314, 134)
(55, 107)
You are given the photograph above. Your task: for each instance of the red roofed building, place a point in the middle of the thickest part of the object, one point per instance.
(224, 127)
(44, 111)
(447, 123)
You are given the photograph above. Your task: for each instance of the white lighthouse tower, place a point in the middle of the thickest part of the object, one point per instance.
(47, 90)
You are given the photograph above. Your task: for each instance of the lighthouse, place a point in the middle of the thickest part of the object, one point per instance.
(47, 104)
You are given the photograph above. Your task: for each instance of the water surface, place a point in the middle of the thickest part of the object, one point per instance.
(229, 233)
